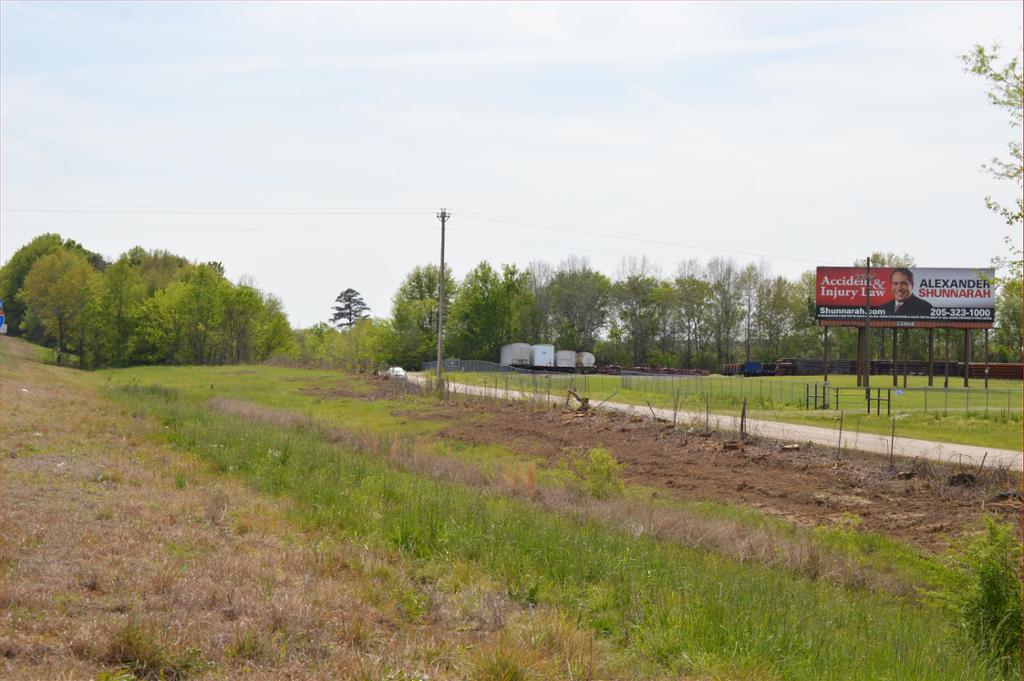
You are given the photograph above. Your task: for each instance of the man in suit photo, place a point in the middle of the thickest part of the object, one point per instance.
(904, 301)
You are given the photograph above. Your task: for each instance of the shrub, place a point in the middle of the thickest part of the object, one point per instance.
(598, 473)
(980, 586)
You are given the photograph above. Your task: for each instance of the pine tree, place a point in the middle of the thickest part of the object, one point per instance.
(349, 309)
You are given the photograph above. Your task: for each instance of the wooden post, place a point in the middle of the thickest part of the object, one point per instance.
(906, 356)
(895, 356)
(945, 383)
(931, 355)
(860, 356)
(824, 346)
(967, 357)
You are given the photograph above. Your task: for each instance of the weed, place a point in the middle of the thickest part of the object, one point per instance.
(180, 480)
(598, 473)
(503, 662)
(981, 588)
(139, 649)
(116, 675)
(246, 646)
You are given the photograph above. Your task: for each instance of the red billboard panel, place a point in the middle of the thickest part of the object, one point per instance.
(900, 294)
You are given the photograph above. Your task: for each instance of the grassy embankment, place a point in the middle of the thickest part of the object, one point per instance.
(126, 558)
(660, 603)
(973, 417)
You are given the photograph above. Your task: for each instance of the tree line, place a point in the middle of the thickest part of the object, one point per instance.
(702, 316)
(146, 307)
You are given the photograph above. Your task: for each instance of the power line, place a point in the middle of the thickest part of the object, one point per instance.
(292, 228)
(634, 236)
(704, 247)
(196, 211)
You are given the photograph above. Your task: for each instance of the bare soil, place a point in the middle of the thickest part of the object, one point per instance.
(808, 486)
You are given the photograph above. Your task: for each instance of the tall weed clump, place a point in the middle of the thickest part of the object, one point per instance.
(980, 587)
(598, 473)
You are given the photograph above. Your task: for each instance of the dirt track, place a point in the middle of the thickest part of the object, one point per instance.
(808, 486)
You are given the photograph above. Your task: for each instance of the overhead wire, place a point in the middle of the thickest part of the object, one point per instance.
(471, 215)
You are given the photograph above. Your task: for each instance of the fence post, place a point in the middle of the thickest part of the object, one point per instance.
(892, 444)
(743, 421)
(839, 443)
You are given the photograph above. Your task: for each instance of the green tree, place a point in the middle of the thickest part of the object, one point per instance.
(159, 332)
(483, 312)
(242, 308)
(119, 298)
(635, 294)
(724, 307)
(349, 308)
(12, 278)
(413, 330)
(580, 298)
(694, 296)
(1007, 335)
(273, 333)
(202, 315)
(56, 292)
(158, 268)
(1005, 91)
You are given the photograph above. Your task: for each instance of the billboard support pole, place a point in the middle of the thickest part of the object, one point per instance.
(931, 355)
(867, 331)
(860, 356)
(906, 357)
(945, 382)
(895, 356)
(967, 357)
(824, 346)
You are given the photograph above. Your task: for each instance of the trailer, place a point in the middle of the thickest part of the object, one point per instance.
(565, 359)
(542, 356)
(515, 355)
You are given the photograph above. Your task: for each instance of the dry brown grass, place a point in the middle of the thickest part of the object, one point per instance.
(122, 554)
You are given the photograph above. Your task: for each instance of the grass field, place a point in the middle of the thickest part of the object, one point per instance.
(674, 609)
(574, 594)
(973, 416)
(661, 605)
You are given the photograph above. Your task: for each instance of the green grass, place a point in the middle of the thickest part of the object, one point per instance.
(974, 417)
(410, 417)
(685, 611)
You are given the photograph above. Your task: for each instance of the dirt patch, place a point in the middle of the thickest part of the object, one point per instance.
(366, 388)
(808, 486)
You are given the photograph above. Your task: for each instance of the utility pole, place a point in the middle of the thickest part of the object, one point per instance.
(867, 336)
(443, 217)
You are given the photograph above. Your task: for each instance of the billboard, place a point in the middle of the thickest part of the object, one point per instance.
(916, 294)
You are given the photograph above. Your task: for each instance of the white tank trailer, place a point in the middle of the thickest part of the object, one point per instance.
(542, 355)
(515, 355)
(585, 360)
(565, 359)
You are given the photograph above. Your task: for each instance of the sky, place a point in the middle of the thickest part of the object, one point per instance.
(309, 147)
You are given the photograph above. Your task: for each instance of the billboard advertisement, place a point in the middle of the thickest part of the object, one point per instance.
(898, 294)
